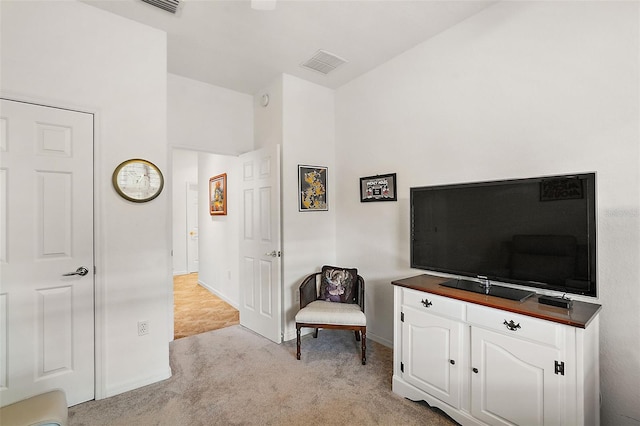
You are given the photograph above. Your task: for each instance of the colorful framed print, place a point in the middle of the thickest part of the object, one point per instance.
(378, 188)
(218, 195)
(312, 188)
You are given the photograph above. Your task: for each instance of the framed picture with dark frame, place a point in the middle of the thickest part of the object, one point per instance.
(378, 188)
(218, 195)
(312, 188)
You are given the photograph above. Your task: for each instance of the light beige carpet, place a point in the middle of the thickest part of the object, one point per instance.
(197, 310)
(232, 376)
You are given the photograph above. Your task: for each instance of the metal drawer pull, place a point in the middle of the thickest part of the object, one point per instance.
(452, 362)
(426, 303)
(475, 370)
(511, 325)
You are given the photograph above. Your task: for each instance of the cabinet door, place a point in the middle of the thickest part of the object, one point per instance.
(513, 381)
(431, 354)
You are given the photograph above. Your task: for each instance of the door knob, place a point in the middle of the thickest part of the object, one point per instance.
(82, 271)
(273, 254)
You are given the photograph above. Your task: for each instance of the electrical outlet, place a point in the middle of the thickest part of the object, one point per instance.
(143, 328)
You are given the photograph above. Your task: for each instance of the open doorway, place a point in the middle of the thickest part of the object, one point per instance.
(199, 299)
(196, 310)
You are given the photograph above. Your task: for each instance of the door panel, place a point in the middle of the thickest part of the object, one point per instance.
(502, 361)
(429, 345)
(46, 225)
(260, 282)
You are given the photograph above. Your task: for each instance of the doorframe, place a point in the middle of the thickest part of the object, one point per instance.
(99, 389)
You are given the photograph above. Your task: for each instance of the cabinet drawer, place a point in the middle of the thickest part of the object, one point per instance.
(515, 325)
(434, 304)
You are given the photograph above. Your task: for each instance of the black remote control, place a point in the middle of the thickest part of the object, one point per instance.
(560, 302)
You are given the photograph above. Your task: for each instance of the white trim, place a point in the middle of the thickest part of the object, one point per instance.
(217, 293)
(135, 384)
(378, 339)
(291, 334)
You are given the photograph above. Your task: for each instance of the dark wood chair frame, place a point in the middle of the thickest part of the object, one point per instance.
(309, 293)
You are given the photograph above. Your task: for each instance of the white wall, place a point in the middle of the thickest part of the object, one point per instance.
(522, 89)
(184, 171)
(219, 234)
(267, 124)
(208, 118)
(74, 55)
(309, 238)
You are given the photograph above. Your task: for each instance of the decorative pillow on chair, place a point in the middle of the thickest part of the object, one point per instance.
(338, 284)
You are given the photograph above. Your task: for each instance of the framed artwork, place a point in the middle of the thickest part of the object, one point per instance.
(218, 195)
(312, 188)
(378, 188)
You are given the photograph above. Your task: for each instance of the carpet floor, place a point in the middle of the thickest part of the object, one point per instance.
(233, 376)
(197, 310)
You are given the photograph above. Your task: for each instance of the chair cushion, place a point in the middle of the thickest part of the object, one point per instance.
(48, 408)
(322, 312)
(338, 284)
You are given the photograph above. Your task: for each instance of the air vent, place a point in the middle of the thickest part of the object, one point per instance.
(323, 62)
(168, 5)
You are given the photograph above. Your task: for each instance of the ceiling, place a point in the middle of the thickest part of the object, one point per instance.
(228, 44)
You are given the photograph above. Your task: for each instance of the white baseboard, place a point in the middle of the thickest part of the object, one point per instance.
(220, 295)
(291, 334)
(137, 383)
(381, 340)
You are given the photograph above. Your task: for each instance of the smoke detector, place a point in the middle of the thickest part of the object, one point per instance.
(168, 5)
(323, 62)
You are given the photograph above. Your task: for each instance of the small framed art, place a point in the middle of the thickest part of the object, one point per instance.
(312, 188)
(378, 188)
(218, 195)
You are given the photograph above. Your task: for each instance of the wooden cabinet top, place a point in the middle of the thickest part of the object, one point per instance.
(578, 316)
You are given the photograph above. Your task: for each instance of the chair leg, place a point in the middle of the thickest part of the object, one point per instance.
(297, 341)
(364, 345)
(315, 334)
(357, 335)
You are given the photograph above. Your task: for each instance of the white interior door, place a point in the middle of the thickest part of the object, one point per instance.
(260, 275)
(46, 221)
(192, 227)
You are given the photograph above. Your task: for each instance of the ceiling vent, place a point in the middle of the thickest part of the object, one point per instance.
(323, 62)
(168, 5)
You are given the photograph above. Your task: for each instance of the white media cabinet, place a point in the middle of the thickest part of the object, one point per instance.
(490, 361)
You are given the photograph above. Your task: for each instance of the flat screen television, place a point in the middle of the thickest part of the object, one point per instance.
(537, 232)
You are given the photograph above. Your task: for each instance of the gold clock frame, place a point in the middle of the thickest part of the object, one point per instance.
(134, 165)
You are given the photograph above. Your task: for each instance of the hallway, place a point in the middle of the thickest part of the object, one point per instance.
(196, 310)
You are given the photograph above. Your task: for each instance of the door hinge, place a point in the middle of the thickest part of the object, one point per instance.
(401, 316)
(402, 367)
(559, 368)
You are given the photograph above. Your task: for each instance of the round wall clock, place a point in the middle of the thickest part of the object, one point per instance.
(138, 180)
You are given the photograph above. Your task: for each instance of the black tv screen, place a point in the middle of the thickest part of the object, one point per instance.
(538, 232)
